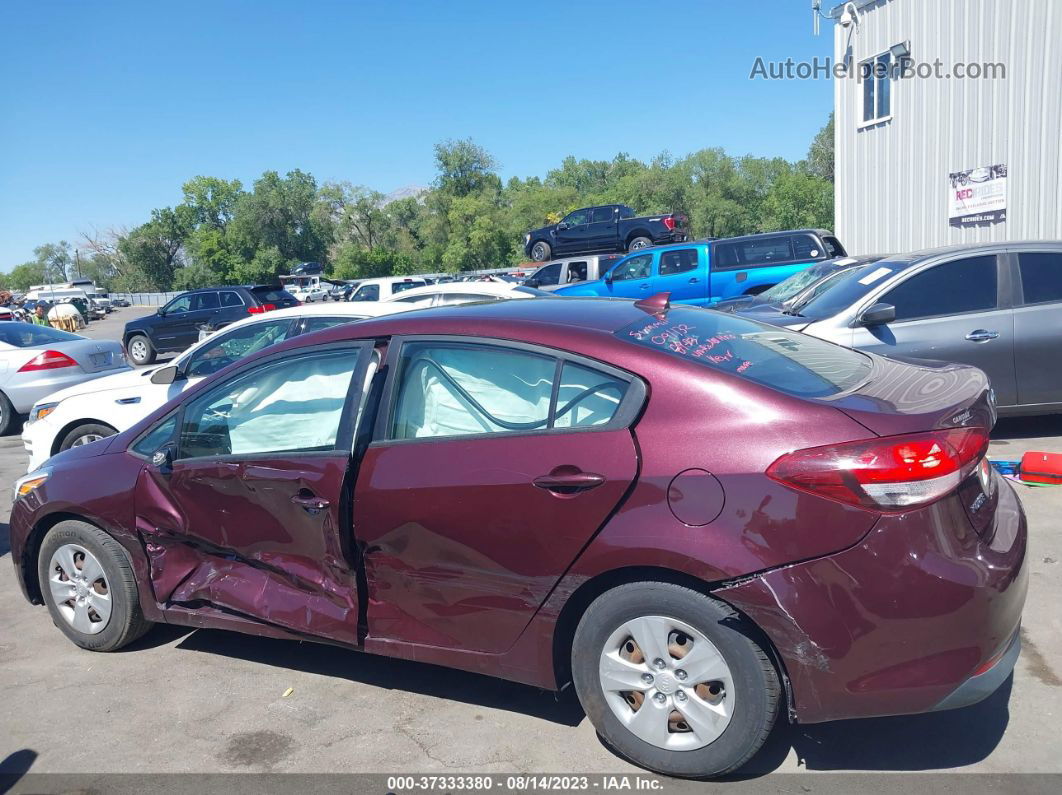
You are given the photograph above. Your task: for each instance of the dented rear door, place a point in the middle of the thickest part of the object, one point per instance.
(251, 515)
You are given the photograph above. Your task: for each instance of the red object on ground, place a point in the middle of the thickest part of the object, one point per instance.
(1037, 467)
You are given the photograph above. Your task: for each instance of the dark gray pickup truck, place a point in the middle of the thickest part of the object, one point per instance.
(608, 228)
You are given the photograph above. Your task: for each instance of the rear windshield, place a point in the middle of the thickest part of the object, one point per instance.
(409, 284)
(784, 360)
(849, 288)
(27, 335)
(272, 295)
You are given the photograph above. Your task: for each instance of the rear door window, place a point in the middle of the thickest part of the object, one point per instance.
(1041, 277)
(806, 247)
(602, 215)
(679, 261)
(951, 288)
(793, 363)
(201, 301)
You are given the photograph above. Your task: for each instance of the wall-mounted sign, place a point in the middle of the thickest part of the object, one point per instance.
(977, 196)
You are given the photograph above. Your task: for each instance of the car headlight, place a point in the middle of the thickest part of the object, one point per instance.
(527, 238)
(40, 411)
(28, 483)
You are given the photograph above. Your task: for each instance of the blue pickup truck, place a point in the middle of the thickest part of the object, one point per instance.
(707, 272)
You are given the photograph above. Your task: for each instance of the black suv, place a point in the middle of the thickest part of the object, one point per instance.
(176, 326)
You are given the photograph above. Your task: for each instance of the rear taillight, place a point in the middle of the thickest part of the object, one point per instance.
(49, 360)
(891, 473)
(257, 310)
(669, 222)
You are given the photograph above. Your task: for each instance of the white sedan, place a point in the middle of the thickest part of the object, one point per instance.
(310, 293)
(106, 406)
(464, 292)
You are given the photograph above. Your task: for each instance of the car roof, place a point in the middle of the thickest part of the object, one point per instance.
(391, 280)
(461, 288)
(975, 248)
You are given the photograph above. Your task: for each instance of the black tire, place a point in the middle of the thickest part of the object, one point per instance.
(541, 251)
(126, 622)
(756, 682)
(81, 431)
(639, 242)
(8, 415)
(141, 351)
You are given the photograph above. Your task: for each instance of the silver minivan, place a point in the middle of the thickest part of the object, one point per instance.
(995, 306)
(560, 272)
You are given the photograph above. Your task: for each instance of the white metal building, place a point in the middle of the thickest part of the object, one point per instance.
(926, 157)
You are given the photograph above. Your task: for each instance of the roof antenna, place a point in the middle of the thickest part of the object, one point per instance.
(656, 304)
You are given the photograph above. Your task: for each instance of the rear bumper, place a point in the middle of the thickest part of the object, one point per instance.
(24, 395)
(981, 685)
(921, 615)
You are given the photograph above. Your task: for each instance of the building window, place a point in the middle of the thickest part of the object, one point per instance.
(875, 74)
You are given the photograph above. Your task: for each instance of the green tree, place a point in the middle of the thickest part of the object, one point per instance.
(278, 214)
(465, 168)
(23, 276)
(154, 249)
(799, 200)
(57, 259)
(820, 154)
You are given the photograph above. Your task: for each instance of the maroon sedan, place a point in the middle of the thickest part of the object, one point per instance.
(698, 520)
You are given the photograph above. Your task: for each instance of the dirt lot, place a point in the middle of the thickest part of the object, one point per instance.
(210, 701)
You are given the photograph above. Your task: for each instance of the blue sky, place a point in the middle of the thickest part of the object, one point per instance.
(106, 108)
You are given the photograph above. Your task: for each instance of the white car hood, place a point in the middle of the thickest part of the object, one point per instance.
(123, 380)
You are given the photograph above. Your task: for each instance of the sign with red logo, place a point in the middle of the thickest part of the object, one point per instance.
(977, 196)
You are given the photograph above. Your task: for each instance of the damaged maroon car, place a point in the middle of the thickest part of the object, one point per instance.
(698, 520)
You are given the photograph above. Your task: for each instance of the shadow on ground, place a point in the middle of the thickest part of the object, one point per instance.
(936, 741)
(390, 673)
(5, 538)
(14, 766)
(1015, 428)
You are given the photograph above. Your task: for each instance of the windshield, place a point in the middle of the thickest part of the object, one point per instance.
(26, 335)
(848, 288)
(785, 290)
(783, 360)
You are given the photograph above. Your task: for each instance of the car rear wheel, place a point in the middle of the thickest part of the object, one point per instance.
(540, 252)
(88, 584)
(639, 242)
(672, 679)
(85, 434)
(7, 414)
(141, 351)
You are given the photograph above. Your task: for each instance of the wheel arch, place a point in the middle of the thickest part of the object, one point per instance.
(32, 547)
(581, 599)
(637, 233)
(61, 434)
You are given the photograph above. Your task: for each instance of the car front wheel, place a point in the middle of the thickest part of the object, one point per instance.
(141, 351)
(673, 681)
(88, 584)
(84, 434)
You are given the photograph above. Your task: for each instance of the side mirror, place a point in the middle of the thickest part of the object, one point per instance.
(608, 277)
(562, 225)
(878, 315)
(161, 312)
(162, 459)
(165, 375)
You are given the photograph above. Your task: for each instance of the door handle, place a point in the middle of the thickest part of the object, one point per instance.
(982, 335)
(309, 501)
(694, 280)
(562, 483)
(644, 286)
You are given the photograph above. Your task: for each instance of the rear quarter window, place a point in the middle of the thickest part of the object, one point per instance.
(793, 363)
